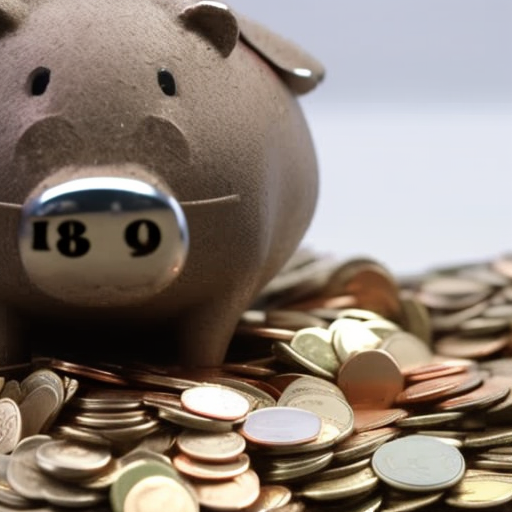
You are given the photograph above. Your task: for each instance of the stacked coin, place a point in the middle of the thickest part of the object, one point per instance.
(344, 388)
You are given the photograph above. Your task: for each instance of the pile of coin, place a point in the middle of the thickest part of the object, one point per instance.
(345, 388)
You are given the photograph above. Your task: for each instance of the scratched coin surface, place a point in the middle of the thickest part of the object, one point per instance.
(216, 402)
(418, 463)
(275, 426)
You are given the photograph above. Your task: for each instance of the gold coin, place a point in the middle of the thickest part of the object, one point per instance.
(315, 344)
(156, 493)
(236, 494)
(285, 353)
(338, 488)
(405, 502)
(481, 491)
(271, 497)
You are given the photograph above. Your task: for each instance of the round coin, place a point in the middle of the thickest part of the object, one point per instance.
(211, 470)
(370, 379)
(275, 426)
(157, 492)
(418, 463)
(211, 446)
(70, 460)
(216, 402)
(235, 494)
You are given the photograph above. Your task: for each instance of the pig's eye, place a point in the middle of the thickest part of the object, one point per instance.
(38, 81)
(166, 82)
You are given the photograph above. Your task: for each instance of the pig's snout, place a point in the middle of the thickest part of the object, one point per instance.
(102, 241)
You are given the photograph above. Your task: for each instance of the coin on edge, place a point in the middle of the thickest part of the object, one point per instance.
(10, 425)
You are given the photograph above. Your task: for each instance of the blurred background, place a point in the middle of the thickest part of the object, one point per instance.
(413, 126)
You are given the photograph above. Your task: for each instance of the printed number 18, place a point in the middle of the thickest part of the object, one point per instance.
(73, 244)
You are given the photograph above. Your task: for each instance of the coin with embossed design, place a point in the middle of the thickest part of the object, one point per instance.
(10, 425)
(418, 463)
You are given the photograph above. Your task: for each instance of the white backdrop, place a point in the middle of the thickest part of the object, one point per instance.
(413, 125)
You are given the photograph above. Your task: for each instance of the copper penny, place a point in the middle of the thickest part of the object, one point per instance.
(365, 419)
(372, 285)
(435, 389)
(370, 379)
(491, 392)
(472, 348)
(211, 470)
(235, 494)
(432, 371)
(215, 401)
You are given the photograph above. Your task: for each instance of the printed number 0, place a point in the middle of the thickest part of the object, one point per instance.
(73, 245)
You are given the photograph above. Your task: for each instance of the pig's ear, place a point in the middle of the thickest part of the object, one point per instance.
(299, 70)
(213, 21)
(12, 13)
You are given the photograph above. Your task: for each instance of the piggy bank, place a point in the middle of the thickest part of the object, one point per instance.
(156, 171)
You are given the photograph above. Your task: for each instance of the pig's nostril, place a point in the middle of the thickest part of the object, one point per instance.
(38, 81)
(166, 82)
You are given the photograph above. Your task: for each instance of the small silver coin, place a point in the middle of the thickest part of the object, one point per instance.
(418, 463)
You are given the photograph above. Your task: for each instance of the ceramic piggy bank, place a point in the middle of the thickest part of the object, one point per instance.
(156, 171)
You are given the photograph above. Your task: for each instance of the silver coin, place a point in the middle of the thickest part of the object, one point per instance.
(38, 409)
(418, 463)
(275, 426)
(10, 425)
(72, 461)
(26, 479)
